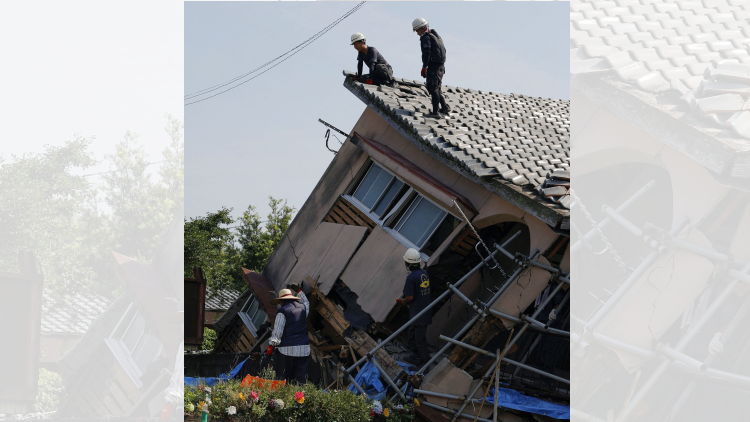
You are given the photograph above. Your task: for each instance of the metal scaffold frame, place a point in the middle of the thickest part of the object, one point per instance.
(661, 242)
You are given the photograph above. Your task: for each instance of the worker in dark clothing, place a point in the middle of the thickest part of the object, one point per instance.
(433, 65)
(380, 71)
(707, 398)
(290, 336)
(417, 294)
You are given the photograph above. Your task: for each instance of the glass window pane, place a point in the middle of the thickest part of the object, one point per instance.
(388, 197)
(146, 352)
(259, 318)
(133, 333)
(377, 189)
(253, 308)
(444, 230)
(367, 182)
(422, 221)
(405, 215)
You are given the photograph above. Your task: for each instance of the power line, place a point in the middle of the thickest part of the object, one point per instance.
(298, 48)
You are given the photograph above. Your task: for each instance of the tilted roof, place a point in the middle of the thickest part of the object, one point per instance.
(220, 300)
(661, 65)
(514, 145)
(72, 314)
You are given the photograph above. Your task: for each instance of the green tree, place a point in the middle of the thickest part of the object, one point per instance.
(209, 244)
(258, 242)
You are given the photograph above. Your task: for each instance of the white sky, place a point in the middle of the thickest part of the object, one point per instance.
(91, 68)
(264, 138)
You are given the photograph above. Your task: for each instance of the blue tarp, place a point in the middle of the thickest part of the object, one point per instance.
(193, 382)
(369, 379)
(513, 399)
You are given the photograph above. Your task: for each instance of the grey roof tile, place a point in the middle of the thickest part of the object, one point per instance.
(72, 314)
(220, 299)
(678, 45)
(512, 137)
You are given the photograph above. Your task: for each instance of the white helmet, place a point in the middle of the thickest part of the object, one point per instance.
(418, 23)
(412, 256)
(357, 37)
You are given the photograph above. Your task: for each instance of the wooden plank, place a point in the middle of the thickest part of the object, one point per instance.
(386, 285)
(339, 254)
(355, 217)
(330, 313)
(119, 396)
(337, 208)
(368, 259)
(126, 384)
(363, 343)
(478, 335)
(336, 218)
(365, 220)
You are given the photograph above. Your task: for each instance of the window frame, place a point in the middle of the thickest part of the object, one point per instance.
(405, 201)
(247, 319)
(122, 353)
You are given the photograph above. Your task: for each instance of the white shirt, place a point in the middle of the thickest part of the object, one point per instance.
(278, 331)
(174, 391)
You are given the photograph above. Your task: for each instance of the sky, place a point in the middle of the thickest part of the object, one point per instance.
(263, 138)
(89, 68)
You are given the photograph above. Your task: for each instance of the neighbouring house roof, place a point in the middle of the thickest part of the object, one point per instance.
(666, 65)
(514, 145)
(221, 299)
(72, 314)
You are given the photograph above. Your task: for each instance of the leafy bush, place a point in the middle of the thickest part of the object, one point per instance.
(209, 339)
(287, 403)
(50, 391)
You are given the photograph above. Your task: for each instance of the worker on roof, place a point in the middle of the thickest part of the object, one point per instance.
(289, 335)
(173, 395)
(380, 71)
(433, 65)
(418, 295)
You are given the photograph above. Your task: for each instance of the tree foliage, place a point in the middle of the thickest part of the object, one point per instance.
(221, 253)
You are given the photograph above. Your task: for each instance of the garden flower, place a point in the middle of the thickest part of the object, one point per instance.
(207, 389)
(200, 405)
(242, 397)
(400, 407)
(416, 402)
(278, 404)
(299, 396)
(231, 410)
(377, 408)
(386, 412)
(200, 387)
(190, 407)
(254, 396)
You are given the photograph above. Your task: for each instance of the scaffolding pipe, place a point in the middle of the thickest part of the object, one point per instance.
(694, 329)
(559, 307)
(632, 228)
(553, 270)
(628, 283)
(473, 392)
(726, 335)
(426, 309)
(386, 376)
(446, 410)
(536, 325)
(591, 233)
(512, 362)
(681, 357)
(356, 384)
(468, 325)
(582, 416)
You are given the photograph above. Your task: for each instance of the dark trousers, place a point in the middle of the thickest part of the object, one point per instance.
(418, 341)
(434, 82)
(380, 75)
(291, 368)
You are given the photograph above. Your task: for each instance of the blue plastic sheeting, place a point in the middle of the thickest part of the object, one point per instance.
(369, 379)
(193, 382)
(513, 399)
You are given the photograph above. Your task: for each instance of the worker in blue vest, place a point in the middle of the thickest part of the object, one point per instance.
(380, 71)
(289, 335)
(433, 65)
(418, 295)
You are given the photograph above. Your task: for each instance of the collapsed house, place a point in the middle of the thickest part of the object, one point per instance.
(125, 362)
(491, 179)
(661, 218)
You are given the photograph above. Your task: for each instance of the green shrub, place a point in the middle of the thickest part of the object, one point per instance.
(50, 391)
(317, 405)
(209, 339)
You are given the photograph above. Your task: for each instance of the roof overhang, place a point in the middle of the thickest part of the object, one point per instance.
(724, 156)
(524, 198)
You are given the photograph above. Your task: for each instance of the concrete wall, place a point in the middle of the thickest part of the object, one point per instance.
(659, 297)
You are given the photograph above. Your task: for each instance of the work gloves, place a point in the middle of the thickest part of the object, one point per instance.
(269, 351)
(166, 412)
(715, 346)
(552, 315)
(424, 72)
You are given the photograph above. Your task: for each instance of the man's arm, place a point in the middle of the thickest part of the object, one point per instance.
(359, 68)
(426, 46)
(278, 330)
(305, 302)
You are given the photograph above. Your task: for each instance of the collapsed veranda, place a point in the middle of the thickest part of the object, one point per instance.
(497, 169)
(671, 144)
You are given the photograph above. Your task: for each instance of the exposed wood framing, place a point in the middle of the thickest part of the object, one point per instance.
(236, 338)
(363, 343)
(479, 335)
(464, 242)
(342, 212)
(333, 320)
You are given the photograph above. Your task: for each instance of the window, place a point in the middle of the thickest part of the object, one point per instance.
(253, 315)
(134, 344)
(399, 209)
